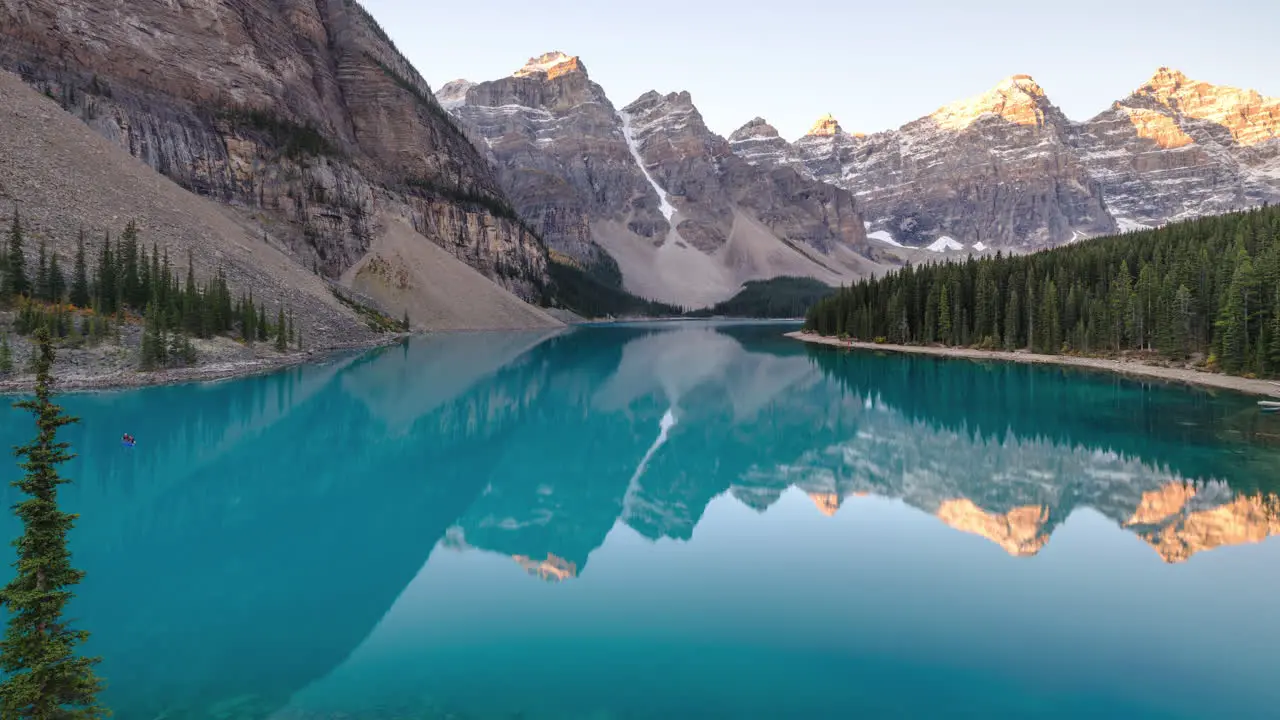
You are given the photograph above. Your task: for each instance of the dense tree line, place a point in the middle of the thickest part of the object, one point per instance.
(587, 296)
(126, 280)
(780, 297)
(1206, 289)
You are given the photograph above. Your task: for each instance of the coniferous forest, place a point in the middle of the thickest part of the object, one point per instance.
(1205, 292)
(119, 282)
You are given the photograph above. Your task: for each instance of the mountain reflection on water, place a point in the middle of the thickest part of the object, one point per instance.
(243, 557)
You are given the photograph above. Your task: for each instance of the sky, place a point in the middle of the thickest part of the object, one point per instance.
(875, 66)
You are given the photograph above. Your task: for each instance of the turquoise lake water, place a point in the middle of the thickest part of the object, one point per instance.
(687, 520)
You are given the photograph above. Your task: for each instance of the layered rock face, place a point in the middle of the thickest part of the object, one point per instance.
(557, 144)
(1007, 169)
(301, 111)
(709, 184)
(999, 170)
(647, 195)
(1177, 148)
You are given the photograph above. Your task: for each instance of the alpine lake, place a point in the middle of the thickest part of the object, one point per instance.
(673, 520)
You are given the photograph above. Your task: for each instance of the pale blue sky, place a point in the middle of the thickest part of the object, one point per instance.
(874, 65)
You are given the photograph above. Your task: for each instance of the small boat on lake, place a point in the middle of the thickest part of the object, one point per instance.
(1269, 406)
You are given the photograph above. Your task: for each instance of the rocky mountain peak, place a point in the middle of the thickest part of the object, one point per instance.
(758, 143)
(1250, 117)
(827, 126)
(1017, 99)
(551, 65)
(1165, 82)
(757, 129)
(453, 93)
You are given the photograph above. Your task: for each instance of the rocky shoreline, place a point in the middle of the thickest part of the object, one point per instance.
(1247, 386)
(71, 379)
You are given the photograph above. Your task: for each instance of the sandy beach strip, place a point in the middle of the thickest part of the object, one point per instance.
(1248, 386)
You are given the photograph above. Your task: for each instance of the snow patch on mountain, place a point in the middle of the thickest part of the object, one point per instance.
(979, 246)
(664, 205)
(943, 244)
(884, 237)
(1127, 225)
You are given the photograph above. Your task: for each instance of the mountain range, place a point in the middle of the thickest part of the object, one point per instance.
(312, 138)
(687, 215)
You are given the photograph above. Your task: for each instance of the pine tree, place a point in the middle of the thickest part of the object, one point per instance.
(45, 677)
(404, 324)
(1183, 317)
(80, 277)
(57, 281)
(154, 350)
(263, 334)
(1012, 317)
(15, 277)
(192, 315)
(248, 321)
(1053, 320)
(291, 336)
(1275, 333)
(155, 291)
(1233, 324)
(42, 290)
(282, 339)
(130, 284)
(1121, 305)
(105, 285)
(944, 317)
(6, 355)
(930, 330)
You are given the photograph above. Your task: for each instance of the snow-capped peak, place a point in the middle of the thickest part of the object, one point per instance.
(552, 64)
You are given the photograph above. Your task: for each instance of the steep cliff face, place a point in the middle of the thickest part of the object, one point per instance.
(647, 195)
(558, 147)
(1006, 169)
(708, 183)
(1177, 148)
(300, 111)
(999, 169)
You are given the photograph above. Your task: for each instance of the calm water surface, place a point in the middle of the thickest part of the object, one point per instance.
(675, 521)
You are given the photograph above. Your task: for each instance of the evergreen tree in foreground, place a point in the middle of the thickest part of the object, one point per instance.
(46, 679)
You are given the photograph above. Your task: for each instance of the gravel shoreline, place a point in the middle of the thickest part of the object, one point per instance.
(1247, 386)
(127, 379)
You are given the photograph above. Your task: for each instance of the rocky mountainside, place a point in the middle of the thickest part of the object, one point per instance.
(1007, 169)
(997, 170)
(301, 113)
(647, 195)
(1177, 148)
